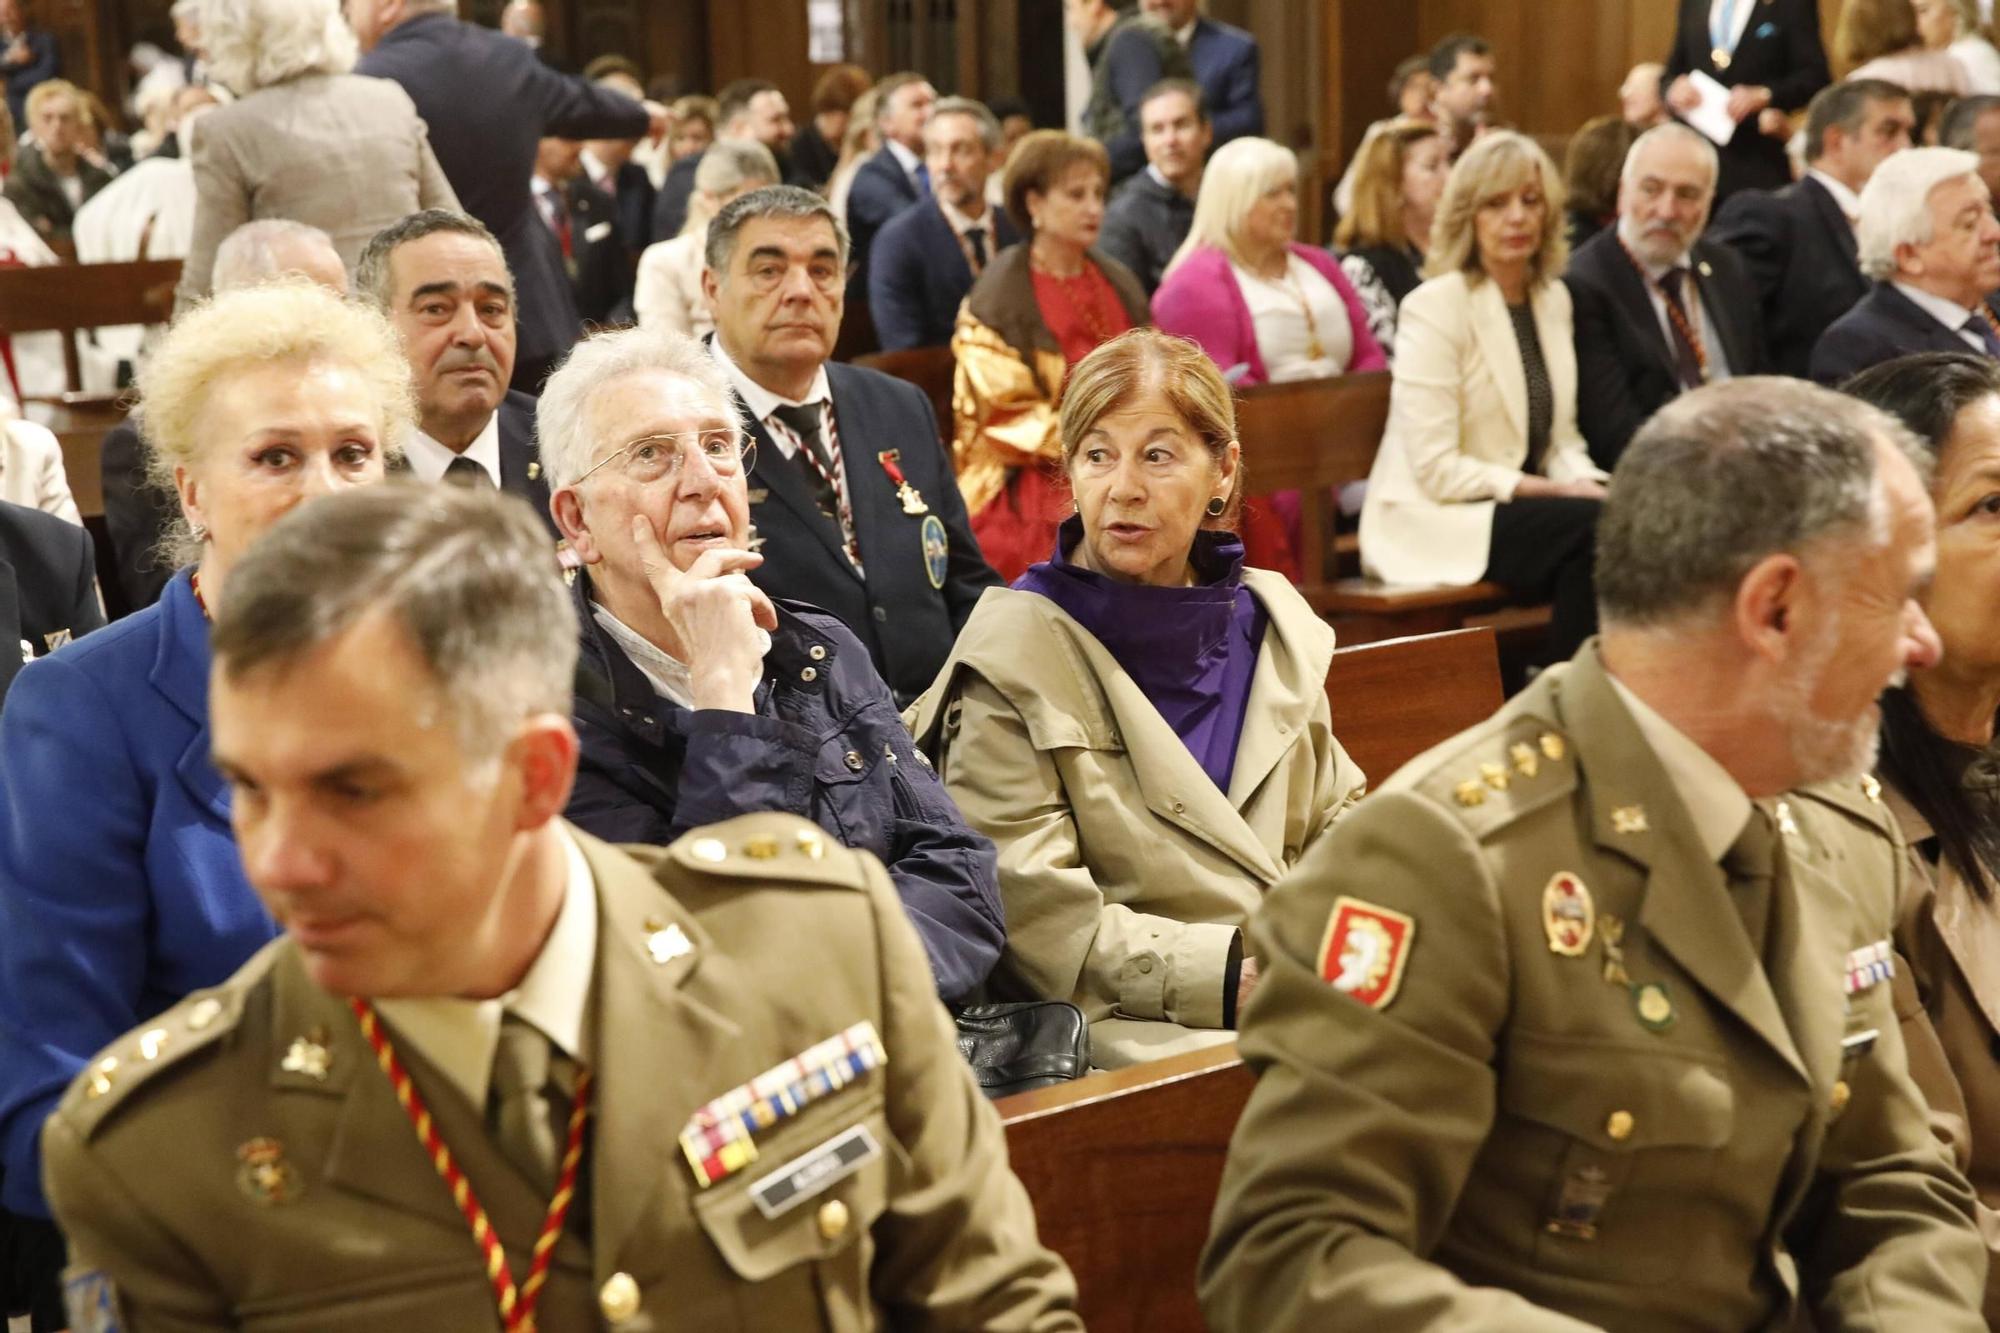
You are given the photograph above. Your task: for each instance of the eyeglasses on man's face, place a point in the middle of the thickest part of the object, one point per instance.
(656, 458)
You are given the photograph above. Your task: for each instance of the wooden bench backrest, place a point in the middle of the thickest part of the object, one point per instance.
(1312, 436)
(70, 298)
(929, 368)
(1123, 1167)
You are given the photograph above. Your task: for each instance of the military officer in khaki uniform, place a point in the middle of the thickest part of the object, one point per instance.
(1584, 1019)
(498, 1075)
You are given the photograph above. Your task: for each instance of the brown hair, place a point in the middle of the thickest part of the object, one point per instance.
(1593, 163)
(838, 87)
(1377, 215)
(1119, 370)
(1041, 159)
(1870, 28)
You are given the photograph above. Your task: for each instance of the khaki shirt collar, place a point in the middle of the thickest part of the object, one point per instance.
(1716, 805)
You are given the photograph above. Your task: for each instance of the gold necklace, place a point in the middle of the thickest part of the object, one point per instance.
(1315, 349)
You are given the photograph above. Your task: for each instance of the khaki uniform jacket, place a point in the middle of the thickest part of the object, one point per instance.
(1756, 1154)
(1125, 872)
(153, 1182)
(1948, 998)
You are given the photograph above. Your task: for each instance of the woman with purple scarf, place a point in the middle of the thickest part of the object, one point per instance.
(1140, 723)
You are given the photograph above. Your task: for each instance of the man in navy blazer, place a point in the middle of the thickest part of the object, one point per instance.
(1799, 242)
(896, 176)
(28, 56)
(1225, 61)
(927, 257)
(1768, 54)
(48, 587)
(488, 102)
(1929, 238)
(851, 491)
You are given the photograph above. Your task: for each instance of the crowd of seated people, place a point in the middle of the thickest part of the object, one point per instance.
(1048, 657)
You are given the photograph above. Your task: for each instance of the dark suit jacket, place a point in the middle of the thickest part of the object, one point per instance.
(1144, 225)
(1135, 55)
(634, 200)
(488, 101)
(907, 622)
(38, 195)
(670, 206)
(1801, 256)
(520, 463)
(138, 515)
(1781, 51)
(604, 266)
(1225, 62)
(48, 587)
(880, 191)
(813, 158)
(44, 63)
(918, 275)
(1884, 325)
(1624, 365)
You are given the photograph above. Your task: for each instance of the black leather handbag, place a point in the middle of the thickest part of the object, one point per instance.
(1022, 1046)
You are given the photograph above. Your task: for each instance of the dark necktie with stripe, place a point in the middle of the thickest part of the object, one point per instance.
(463, 471)
(805, 421)
(1687, 361)
(1981, 323)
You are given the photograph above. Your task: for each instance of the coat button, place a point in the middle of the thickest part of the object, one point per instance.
(809, 675)
(881, 613)
(833, 1219)
(1619, 1126)
(1145, 966)
(1179, 808)
(1841, 1095)
(817, 653)
(853, 760)
(618, 1298)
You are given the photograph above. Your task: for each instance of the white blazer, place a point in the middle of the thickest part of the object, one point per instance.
(1458, 429)
(667, 294)
(31, 467)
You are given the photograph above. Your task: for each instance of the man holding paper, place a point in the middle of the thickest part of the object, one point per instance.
(1732, 61)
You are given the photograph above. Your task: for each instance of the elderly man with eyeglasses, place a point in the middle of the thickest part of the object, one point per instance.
(699, 696)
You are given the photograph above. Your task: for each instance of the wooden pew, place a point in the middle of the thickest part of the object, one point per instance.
(1315, 436)
(1123, 1167)
(930, 369)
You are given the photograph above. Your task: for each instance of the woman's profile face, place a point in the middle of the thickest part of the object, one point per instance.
(1143, 481)
(1273, 221)
(1963, 601)
(1425, 170)
(275, 434)
(1073, 208)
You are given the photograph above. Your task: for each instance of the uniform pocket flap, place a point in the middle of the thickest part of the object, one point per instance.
(1617, 1097)
(816, 1213)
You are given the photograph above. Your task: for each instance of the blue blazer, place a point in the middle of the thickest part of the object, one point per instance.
(488, 102)
(1882, 326)
(1225, 65)
(120, 887)
(918, 275)
(880, 191)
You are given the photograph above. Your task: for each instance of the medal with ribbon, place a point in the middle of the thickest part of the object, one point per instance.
(912, 498)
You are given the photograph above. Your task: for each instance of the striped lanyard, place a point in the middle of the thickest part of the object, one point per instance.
(836, 479)
(1722, 27)
(517, 1305)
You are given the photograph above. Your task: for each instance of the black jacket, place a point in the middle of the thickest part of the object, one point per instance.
(1143, 227)
(1624, 366)
(924, 571)
(1780, 50)
(1801, 256)
(918, 275)
(881, 190)
(826, 743)
(603, 265)
(38, 195)
(670, 206)
(488, 101)
(1883, 325)
(48, 587)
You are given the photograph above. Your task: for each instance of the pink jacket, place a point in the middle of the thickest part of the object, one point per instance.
(1201, 301)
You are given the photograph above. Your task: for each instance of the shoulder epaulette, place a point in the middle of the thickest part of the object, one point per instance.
(774, 847)
(1501, 773)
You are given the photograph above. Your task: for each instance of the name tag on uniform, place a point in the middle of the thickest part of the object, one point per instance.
(1855, 1045)
(1869, 965)
(822, 1168)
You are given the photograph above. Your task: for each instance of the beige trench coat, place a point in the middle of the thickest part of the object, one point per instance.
(1125, 872)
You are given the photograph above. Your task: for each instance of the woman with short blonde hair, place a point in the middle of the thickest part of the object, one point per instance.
(1483, 474)
(1140, 723)
(120, 882)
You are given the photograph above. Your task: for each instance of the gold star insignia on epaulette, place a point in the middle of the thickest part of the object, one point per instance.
(811, 845)
(1469, 794)
(100, 1076)
(1494, 776)
(1628, 819)
(1526, 762)
(1553, 746)
(666, 941)
(761, 849)
(1871, 787)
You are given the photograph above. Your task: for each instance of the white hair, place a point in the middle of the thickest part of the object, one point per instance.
(1238, 174)
(562, 419)
(253, 253)
(254, 44)
(1672, 129)
(1896, 202)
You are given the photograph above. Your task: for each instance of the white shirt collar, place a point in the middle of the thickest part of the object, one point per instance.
(905, 159)
(667, 674)
(593, 168)
(762, 401)
(460, 1036)
(1849, 201)
(1948, 313)
(960, 221)
(1184, 35)
(428, 459)
(1716, 805)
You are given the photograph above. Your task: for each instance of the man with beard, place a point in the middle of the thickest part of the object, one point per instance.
(443, 282)
(1928, 237)
(1659, 310)
(1583, 1020)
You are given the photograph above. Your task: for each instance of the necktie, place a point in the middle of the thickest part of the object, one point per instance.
(1687, 358)
(976, 238)
(462, 471)
(527, 1121)
(804, 421)
(1981, 323)
(1751, 865)
(923, 179)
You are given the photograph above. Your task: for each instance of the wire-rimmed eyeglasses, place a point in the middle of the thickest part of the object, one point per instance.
(653, 458)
